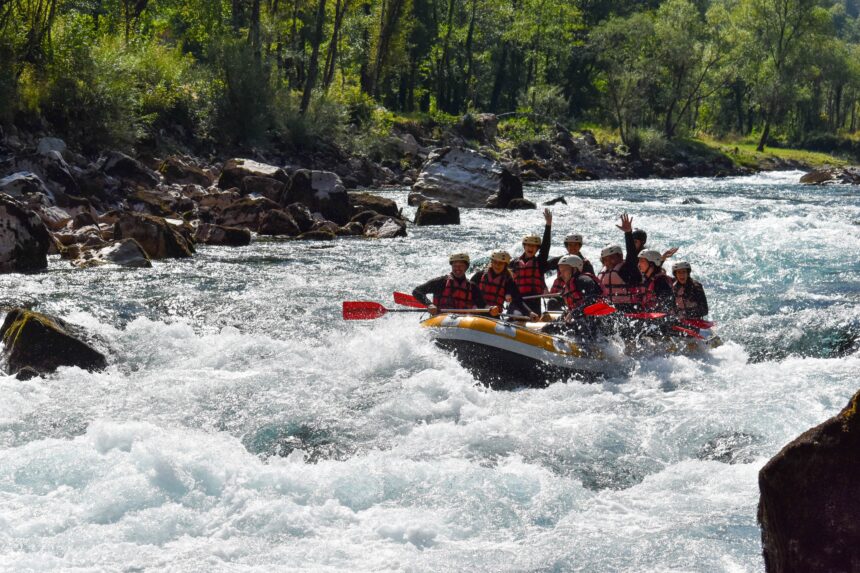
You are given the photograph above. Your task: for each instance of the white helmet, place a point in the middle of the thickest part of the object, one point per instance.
(571, 261)
(573, 238)
(532, 240)
(501, 256)
(459, 257)
(681, 266)
(611, 250)
(651, 256)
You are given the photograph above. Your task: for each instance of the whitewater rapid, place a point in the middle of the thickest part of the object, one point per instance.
(243, 426)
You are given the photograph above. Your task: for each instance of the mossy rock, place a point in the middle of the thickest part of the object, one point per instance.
(44, 343)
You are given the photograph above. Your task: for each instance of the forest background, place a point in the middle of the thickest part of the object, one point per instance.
(212, 76)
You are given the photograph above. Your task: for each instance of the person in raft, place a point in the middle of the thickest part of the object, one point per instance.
(530, 267)
(580, 288)
(573, 244)
(498, 286)
(454, 290)
(690, 299)
(621, 278)
(657, 292)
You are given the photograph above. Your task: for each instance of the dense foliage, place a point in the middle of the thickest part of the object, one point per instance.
(297, 72)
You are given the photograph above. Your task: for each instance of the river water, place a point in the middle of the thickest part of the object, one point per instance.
(243, 426)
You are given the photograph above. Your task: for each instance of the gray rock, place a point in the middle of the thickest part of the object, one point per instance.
(124, 253)
(301, 215)
(318, 235)
(383, 227)
(24, 239)
(28, 188)
(223, 236)
(278, 223)
(178, 170)
(48, 144)
(235, 170)
(459, 177)
(158, 238)
(264, 187)
(322, 192)
(369, 202)
(557, 200)
(351, 229)
(521, 204)
(128, 169)
(437, 213)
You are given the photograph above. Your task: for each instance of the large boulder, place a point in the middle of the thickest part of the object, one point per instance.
(301, 215)
(369, 202)
(460, 177)
(128, 169)
(247, 212)
(322, 192)
(158, 238)
(225, 236)
(437, 213)
(278, 223)
(382, 227)
(235, 170)
(51, 168)
(809, 508)
(832, 175)
(264, 187)
(43, 343)
(24, 239)
(28, 188)
(178, 170)
(124, 253)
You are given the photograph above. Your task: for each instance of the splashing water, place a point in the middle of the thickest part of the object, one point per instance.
(243, 426)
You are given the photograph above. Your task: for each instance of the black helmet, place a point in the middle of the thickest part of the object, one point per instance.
(641, 235)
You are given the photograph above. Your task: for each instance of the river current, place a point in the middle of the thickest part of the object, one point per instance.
(242, 426)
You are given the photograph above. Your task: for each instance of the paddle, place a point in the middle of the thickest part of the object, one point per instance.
(368, 310)
(408, 300)
(547, 295)
(598, 309)
(688, 332)
(698, 323)
(644, 315)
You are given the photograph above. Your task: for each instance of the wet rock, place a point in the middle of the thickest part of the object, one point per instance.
(301, 215)
(225, 236)
(159, 239)
(691, 201)
(832, 175)
(583, 174)
(24, 239)
(54, 218)
(124, 253)
(128, 169)
(437, 213)
(351, 229)
(322, 192)
(28, 188)
(730, 448)
(44, 343)
(368, 202)
(557, 200)
(364, 217)
(278, 223)
(235, 170)
(317, 235)
(264, 187)
(178, 170)
(27, 373)
(521, 204)
(324, 225)
(48, 144)
(415, 199)
(84, 219)
(153, 202)
(247, 212)
(219, 201)
(383, 227)
(51, 168)
(459, 177)
(810, 499)
(510, 189)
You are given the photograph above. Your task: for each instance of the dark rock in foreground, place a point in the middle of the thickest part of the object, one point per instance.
(809, 508)
(24, 239)
(225, 236)
(36, 342)
(437, 213)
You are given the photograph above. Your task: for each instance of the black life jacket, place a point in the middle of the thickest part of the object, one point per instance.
(529, 277)
(457, 294)
(492, 288)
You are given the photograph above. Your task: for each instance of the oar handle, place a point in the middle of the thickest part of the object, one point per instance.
(548, 295)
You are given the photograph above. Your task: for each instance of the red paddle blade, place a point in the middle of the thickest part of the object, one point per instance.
(688, 332)
(645, 315)
(362, 310)
(698, 323)
(408, 300)
(598, 309)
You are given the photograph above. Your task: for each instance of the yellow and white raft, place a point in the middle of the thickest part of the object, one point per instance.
(504, 354)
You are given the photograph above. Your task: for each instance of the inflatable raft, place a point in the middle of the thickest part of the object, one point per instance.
(510, 354)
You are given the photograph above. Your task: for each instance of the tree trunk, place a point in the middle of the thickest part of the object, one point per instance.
(499, 80)
(331, 53)
(254, 37)
(765, 133)
(313, 68)
(444, 71)
(469, 53)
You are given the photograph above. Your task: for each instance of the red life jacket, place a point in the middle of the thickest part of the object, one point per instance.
(457, 294)
(557, 285)
(493, 289)
(619, 292)
(648, 298)
(572, 296)
(529, 277)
